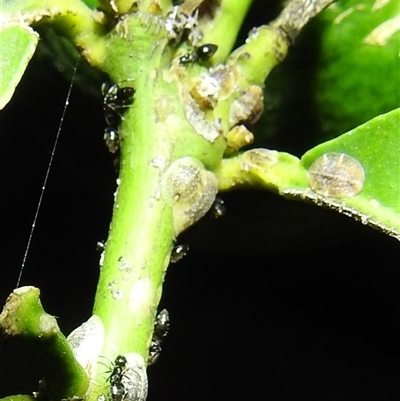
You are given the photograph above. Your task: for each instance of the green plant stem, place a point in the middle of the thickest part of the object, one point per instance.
(154, 133)
(261, 168)
(265, 48)
(229, 16)
(297, 13)
(71, 18)
(23, 317)
(138, 246)
(149, 5)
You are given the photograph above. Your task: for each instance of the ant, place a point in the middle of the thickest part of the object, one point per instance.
(218, 209)
(117, 388)
(201, 53)
(161, 328)
(116, 101)
(178, 252)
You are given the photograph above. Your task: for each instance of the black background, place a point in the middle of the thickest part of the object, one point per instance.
(278, 300)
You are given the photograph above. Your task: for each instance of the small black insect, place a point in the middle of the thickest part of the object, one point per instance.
(205, 52)
(187, 58)
(116, 101)
(161, 325)
(218, 209)
(111, 139)
(117, 392)
(118, 370)
(201, 53)
(100, 246)
(161, 328)
(117, 389)
(178, 252)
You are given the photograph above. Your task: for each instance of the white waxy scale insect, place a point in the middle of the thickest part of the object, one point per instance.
(86, 342)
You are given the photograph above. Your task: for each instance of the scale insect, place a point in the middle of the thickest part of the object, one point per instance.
(336, 175)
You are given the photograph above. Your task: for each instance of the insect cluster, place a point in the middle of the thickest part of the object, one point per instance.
(183, 25)
(161, 328)
(115, 102)
(128, 379)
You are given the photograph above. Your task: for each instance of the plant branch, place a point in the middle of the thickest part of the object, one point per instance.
(225, 16)
(261, 168)
(71, 18)
(147, 217)
(23, 316)
(297, 14)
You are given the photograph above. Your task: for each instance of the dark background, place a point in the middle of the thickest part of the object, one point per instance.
(277, 300)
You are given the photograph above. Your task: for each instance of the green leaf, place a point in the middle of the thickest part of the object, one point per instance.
(358, 64)
(17, 45)
(72, 19)
(342, 71)
(376, 146)
(91, 3)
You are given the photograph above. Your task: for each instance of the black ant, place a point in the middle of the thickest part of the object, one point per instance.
(118, 370)
(117, 389)
(218, 209)
(116, 102)
(178, 252)
(111, 139)
(161, 328)
(201, 53)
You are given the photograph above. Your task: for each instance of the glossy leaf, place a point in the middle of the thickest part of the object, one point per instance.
(338, 75)
(376, 146)
(18, 43)
(358, 65)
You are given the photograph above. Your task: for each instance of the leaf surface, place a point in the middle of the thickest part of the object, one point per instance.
(376, 146)
(17, 45)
